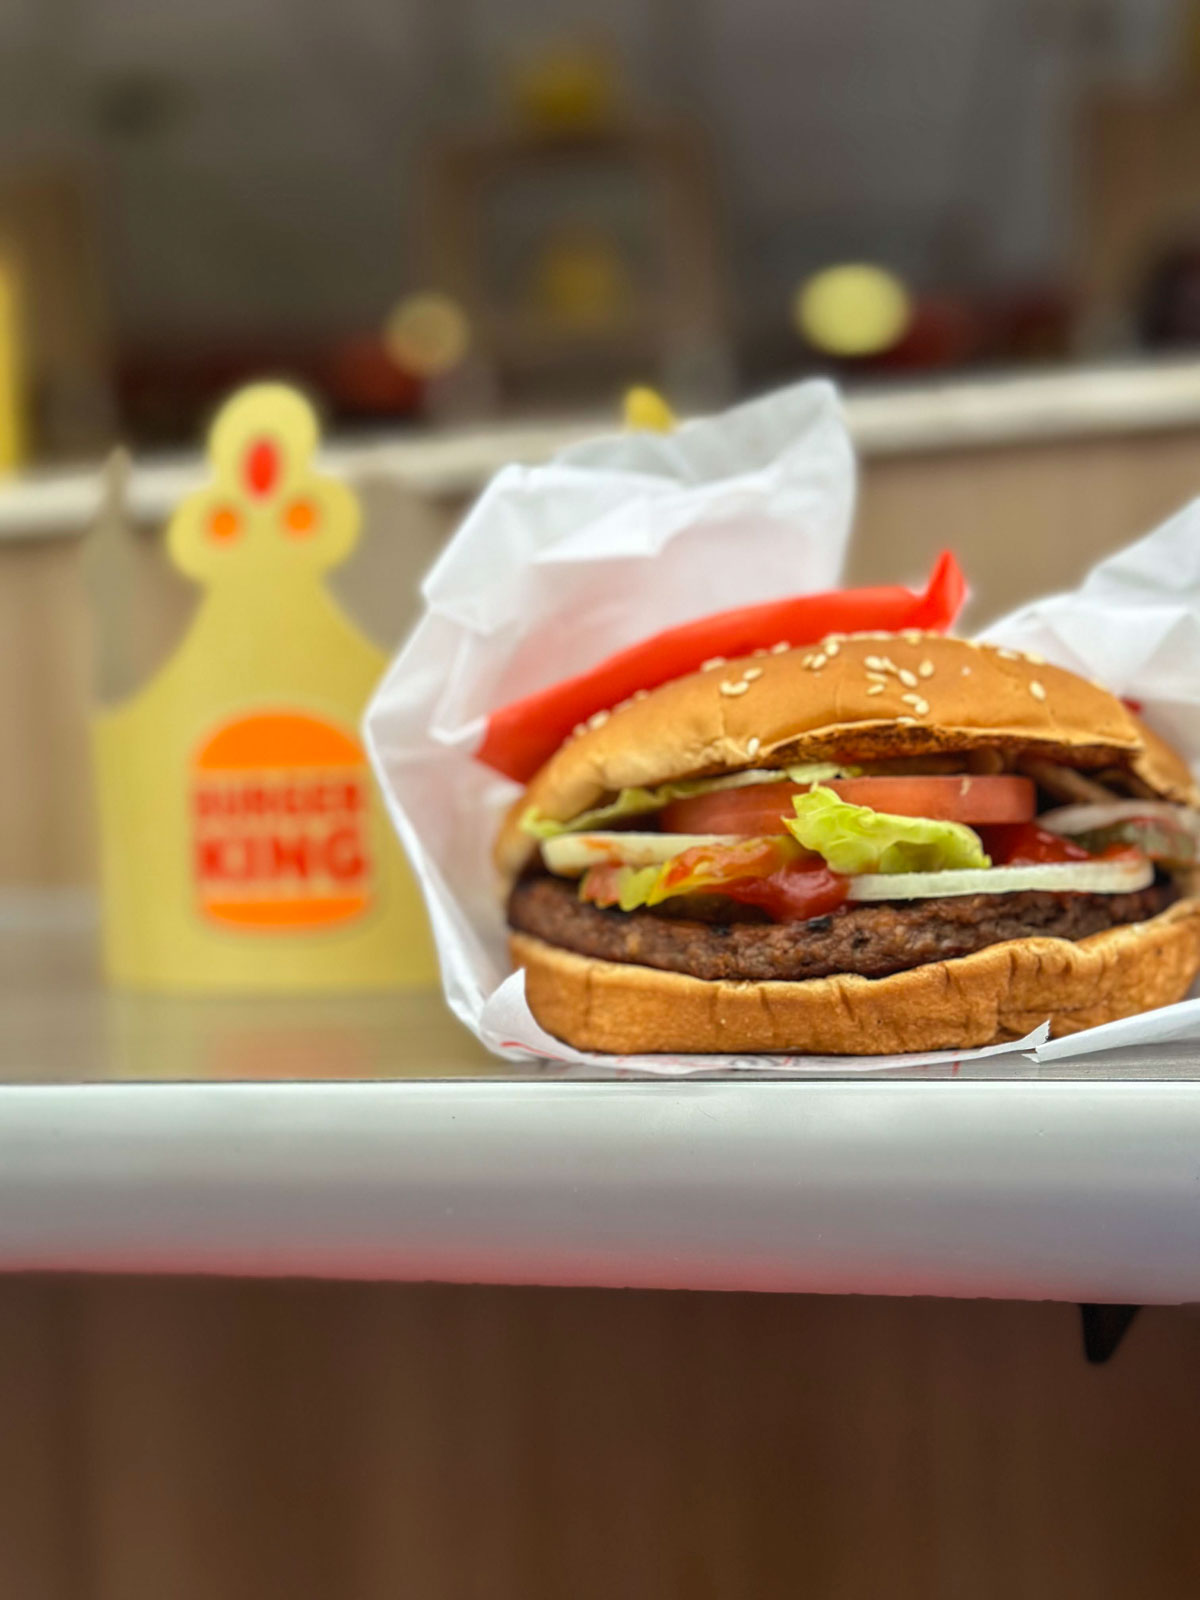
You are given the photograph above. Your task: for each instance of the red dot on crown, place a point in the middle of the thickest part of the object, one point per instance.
(260, 466)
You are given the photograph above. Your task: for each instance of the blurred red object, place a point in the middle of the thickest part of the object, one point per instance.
(1009, 327)
(1030, 324)
(168, 391)
(361, 379)
(944, 332)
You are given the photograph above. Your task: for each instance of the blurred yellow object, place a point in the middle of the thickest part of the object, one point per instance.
(565, 88)
(581, 278)
(427, 334)
(12, 372)
(646, 411)
(243, 843)
(852, 310)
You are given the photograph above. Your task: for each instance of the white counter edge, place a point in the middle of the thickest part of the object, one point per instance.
(1033, 1190)
(1073, 403)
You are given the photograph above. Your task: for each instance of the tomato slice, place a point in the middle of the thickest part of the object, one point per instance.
(958, 798)
(757, 808)
(522, 736)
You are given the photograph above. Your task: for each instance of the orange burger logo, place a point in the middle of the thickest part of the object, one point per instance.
(280, 814)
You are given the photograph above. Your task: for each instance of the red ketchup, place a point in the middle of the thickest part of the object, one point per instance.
(1023, 844)
(793, 894)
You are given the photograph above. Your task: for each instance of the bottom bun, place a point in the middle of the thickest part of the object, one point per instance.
(994, 995)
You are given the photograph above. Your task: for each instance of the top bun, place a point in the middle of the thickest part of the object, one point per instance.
(865, 697)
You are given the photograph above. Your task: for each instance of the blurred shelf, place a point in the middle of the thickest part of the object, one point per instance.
(1071, 403)
(1022, 1186)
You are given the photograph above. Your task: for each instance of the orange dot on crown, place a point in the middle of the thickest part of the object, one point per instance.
(260, 466)
(224, 524)
(300, 518)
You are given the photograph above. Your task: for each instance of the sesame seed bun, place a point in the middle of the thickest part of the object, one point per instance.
(997, 994)
(863, 698)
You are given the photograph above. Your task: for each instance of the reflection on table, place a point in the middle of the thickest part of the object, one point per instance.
(62, 1024)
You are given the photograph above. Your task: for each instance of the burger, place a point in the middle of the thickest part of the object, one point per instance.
(877, 844)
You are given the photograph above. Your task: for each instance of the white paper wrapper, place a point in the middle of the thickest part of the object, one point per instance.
(1134, 626)
(559, 566)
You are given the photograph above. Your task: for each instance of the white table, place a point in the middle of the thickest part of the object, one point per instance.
(1020, 1184)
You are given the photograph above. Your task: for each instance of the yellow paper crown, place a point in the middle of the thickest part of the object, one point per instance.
(267, 510)
(244, 845)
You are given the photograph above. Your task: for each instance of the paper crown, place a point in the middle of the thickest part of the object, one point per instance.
(243, 844)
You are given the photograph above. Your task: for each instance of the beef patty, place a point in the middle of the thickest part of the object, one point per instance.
(871, 939)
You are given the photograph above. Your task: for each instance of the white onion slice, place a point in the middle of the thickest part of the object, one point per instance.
(573, 853)
(1067, 877)
(1081, 819)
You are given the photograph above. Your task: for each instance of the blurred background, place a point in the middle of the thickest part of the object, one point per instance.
(192, 194)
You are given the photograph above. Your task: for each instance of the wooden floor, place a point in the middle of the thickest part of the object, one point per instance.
(168, 1440)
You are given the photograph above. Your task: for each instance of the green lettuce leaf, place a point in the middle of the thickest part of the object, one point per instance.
(855, 839)
(637, 802)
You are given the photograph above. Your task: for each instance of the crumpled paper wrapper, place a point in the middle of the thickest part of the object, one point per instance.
(557, 567)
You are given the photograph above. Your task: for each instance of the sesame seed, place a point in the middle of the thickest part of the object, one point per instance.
(578, 729)
(734, 688)
(1037, 660)
(1036, 690)
(875, 663)
(878, 677)
(807, 661)
(889, 665)
(640, 694)
(751, 673)
(713, 661)
(753, 746)
(925, 670)
(921, 707)
(907, 721)
(597, 719)
(1008, 655)
(876, 688)
(780, 648)
(907, 678)
(912, 635)
(818, 661)
(831, 647)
